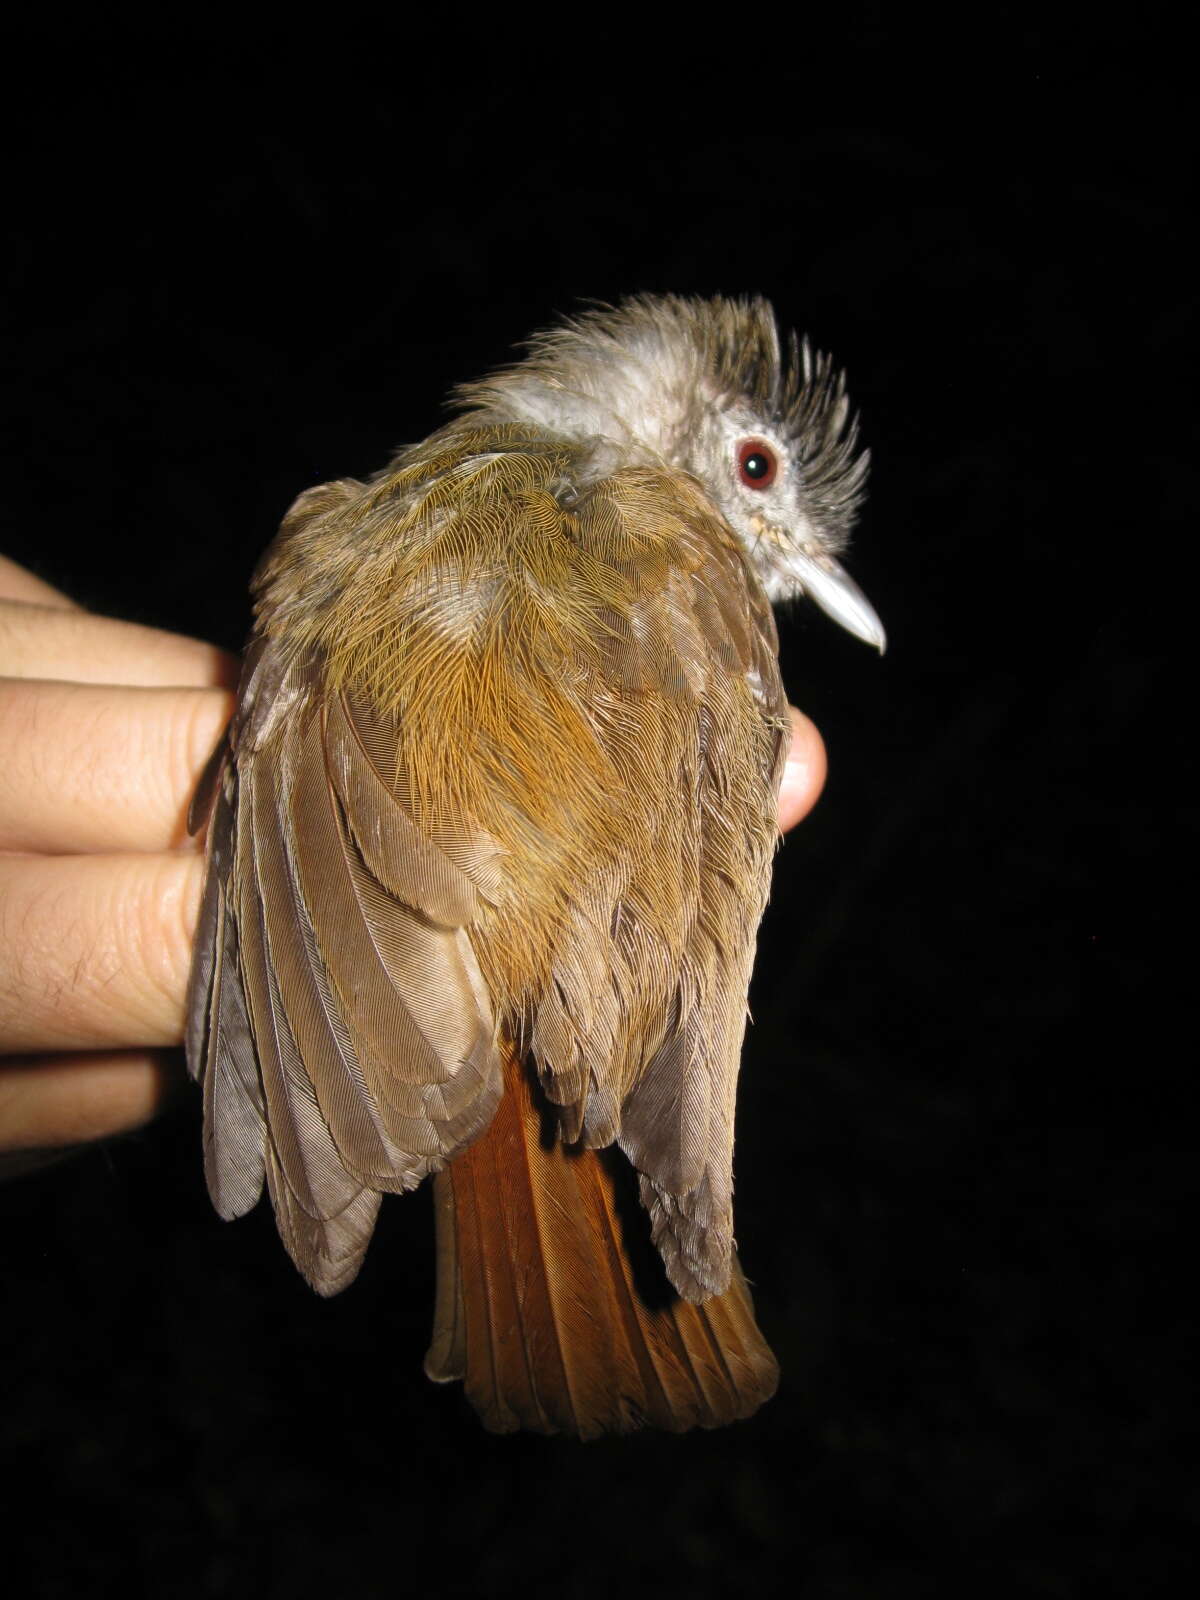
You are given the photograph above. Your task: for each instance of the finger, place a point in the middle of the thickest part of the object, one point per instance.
(102, 769)
(804, 774)
(47, 1102)
(96, 950)
(39, 641)
(17, 584)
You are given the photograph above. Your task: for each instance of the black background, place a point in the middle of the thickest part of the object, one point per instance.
(234, 270)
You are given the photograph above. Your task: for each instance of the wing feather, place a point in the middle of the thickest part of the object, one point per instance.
(325, 1215)
(220, 1045)
(347, 1106)
(404, 986)
(637, 1036)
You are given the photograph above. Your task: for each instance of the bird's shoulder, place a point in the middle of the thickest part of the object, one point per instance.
(483, 536)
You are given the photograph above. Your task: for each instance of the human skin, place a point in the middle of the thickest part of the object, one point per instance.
(105, 726)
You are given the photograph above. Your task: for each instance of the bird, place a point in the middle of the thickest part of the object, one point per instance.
(489, 839)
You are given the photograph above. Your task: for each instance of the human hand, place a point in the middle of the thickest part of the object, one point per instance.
(105, 727)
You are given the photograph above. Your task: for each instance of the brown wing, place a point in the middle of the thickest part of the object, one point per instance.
(639, 1029)
(339, 1020)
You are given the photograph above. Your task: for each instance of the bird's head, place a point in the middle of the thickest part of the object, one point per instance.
(705, 386)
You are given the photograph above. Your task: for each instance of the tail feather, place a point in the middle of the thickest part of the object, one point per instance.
(554, 1306)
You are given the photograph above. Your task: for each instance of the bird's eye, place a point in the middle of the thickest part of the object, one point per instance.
(757, 464)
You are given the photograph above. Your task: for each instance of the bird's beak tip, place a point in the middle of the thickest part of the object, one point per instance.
(828, 583)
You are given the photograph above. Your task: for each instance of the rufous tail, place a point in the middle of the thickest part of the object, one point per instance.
(552, 1304)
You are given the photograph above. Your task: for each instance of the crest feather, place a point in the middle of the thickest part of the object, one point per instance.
(675, 348)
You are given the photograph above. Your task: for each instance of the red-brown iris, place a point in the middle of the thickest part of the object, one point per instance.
(757, 464)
